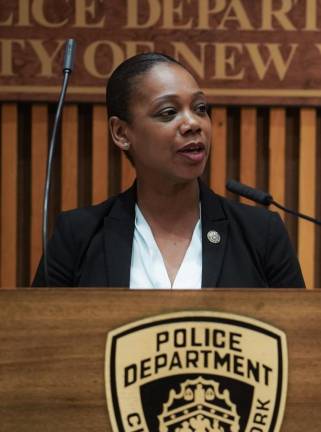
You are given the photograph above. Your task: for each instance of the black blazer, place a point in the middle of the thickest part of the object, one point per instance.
(92, 246)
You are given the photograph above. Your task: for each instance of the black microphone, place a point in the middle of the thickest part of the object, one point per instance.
(263, 198)
(249, 192)
(67, 69)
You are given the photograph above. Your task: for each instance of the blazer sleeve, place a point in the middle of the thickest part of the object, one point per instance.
(280, 261)
(61, 253)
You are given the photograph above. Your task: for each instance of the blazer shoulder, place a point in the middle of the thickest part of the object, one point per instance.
(253, 225)
(219, 207)
(87, 217)
(256, 223)
(80, 225)
(245, 212)
(72, 235)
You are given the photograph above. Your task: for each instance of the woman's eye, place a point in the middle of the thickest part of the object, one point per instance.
(167, 113)
(201, 108)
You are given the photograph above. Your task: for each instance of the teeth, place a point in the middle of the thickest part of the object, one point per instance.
(192, 149)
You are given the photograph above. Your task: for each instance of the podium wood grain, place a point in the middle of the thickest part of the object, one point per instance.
(52, 346)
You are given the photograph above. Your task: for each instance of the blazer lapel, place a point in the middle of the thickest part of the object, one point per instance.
(214, 236)
(118, 239)
(119, 228)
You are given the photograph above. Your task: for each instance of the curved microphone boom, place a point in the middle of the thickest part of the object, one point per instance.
(263, 198)
(67, 69)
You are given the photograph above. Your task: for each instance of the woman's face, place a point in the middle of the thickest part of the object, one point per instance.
(170, 131)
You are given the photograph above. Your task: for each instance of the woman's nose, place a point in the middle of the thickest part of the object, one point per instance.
(190, 123)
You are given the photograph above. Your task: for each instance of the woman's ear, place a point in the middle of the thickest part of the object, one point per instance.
(118, 129)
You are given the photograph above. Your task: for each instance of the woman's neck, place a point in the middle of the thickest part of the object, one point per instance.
(169, 204)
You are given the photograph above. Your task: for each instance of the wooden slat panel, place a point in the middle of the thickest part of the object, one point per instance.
(69, 158)
(218, 157)
(277, 156)
(307, 194)
(39, 151)
(9, 191)
(218, 172)
(128, 172)
(248, 152)
(100, 158)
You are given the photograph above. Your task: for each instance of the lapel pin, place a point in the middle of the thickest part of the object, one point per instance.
(213, 237)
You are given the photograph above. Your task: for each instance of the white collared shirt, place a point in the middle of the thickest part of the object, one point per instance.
(147, 265)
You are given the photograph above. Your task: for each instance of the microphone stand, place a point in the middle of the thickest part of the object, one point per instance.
(67, 69)
(295, 213)
(263, 198)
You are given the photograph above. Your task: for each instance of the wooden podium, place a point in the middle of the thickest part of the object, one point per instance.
(52, 349)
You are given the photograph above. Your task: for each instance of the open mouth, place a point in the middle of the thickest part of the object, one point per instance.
(193, 152)
(192, 148)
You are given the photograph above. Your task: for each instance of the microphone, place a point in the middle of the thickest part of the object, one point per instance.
(67, 69)
(69, 55)
(264, 198)
(249, 192)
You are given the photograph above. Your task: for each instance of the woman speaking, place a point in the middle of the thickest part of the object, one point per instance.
(168, 230)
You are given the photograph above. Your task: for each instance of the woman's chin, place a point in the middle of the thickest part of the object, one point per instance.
(187, 177)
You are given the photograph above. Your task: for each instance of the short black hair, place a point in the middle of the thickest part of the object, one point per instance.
(121, 82)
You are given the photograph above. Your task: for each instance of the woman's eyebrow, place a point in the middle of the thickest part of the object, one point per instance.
(173, 96)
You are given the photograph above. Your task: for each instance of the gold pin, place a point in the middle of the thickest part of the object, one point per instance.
(213, 237)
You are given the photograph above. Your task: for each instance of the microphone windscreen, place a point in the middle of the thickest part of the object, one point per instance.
(249, 192)
(69, 55)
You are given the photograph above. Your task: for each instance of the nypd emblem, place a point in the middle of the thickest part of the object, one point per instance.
(196, 372)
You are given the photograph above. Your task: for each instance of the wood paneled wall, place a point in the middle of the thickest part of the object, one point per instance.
(275, 149)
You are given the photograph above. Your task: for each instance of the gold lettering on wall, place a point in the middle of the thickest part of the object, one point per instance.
(268, 13)
(24, 13)
(319, 47)
(117, 56)
(37, 7)
(182, 50)
(7, 46)
(82, 10)
(133, 47)
(275, 57)
(226, 59)
(236, 12)
(311, 15)
(174, 16)
(7, 22)
(46, 60)
(205, 12)
(232, 46)
(153, 7)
